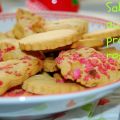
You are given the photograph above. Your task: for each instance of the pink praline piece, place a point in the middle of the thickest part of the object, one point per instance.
(76, 74)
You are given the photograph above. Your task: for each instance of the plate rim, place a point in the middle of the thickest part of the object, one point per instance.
(47, 12)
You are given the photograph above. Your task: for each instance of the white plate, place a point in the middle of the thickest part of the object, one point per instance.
(34, 106)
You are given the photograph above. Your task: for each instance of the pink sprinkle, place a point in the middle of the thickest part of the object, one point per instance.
(88, 67)
(113, 68)
(77, 74)
(66, 76)
(58, 60)
(1, 83)
(86, 77)
(1, 55)
(107, 66)
(26, 58)
(94, 61)
(60, 81)
(104, 59)
(75, 56)
(97, 76)
(9, 49)
(102, 71)
(82, 60)
(100, 56)
(111, 61)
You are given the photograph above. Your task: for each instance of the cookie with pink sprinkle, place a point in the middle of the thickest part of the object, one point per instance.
(14, 72)
(88, 67)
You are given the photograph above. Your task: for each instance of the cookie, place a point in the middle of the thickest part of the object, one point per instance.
(45, 84)
(2, 36)
(14, 72)
(49, 40)
(9, 49)
(71, 23)
(88, 67)
(111, 52)
(6, 35)
(9, 34)
(88, 42)
(108, 50)
(27, 23)
(20, 31)
(49, 65)
(58, 77)
(102, 34)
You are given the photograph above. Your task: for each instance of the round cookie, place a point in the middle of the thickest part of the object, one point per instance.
(102, 34)
(49, 65)
(49, 40)
(45, 84)
(88, 67)
(70, 23)
(14, 72)
(88, 42)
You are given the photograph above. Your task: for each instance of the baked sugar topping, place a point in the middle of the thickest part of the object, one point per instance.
(91, 64)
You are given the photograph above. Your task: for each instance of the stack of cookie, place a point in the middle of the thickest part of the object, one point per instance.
(53, 57)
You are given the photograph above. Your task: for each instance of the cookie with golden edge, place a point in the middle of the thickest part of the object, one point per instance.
(14, 72)
(109, 50)
(49, 40)
(5, 35)
(27, 23)
(71, 23)
(9, 49)
(45, 84)
(102, 34)
(49, 65)
(27, 17)
(88, 67)
(88, 42)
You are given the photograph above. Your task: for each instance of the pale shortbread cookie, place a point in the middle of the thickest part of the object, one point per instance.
(27, 23)
(102, 34)
(88, 67)
(88, 42)
(45, 84)
(49, 40)
(14, 72)
(71, 23)
(49, 65)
